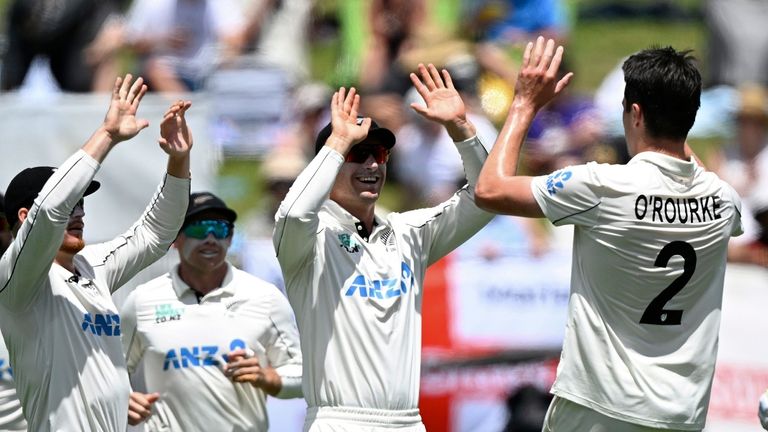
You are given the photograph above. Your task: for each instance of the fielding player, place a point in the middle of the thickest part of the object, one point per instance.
(214, 339)
(11, 415)
(57, 316)
(649, 249)
(354, 278)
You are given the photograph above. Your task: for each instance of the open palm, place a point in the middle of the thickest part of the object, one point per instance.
(121, 122)
(443, 102)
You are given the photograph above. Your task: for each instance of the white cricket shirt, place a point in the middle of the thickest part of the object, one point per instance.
(63, 334)
(11, 416)
(358, 302)
(649, 255)
(183, 344)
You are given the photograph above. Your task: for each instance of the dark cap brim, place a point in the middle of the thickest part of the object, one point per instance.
(376, 134)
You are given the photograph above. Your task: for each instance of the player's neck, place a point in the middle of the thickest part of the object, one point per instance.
(66, 260)
(667, 146)
(203, 282)
(365, 214)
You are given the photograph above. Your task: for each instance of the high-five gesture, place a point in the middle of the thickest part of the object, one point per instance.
(120, 122)
(536, 84)
(347, 130)
(443, 102)
(175, 136)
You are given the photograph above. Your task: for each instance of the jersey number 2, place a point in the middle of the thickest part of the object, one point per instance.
(655, 312)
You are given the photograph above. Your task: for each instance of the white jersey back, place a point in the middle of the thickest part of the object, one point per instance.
(183, 345)
(649, 255)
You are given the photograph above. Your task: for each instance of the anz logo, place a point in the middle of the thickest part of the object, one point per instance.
(557, 180)
(101, 324)
(382, 288)
(194, 356)
(6, 373)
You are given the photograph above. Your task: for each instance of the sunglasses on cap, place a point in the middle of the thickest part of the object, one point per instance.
(220, 229)
(360, 153)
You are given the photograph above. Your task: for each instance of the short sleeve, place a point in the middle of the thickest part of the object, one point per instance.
(567, 196)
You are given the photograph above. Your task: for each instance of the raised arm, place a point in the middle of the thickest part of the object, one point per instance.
(151, 236)
(499, 188)
(296, 219)
(39, 236)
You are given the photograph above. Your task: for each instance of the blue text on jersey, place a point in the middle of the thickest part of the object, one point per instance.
(101, 324)
(202, 355)
(382, 288)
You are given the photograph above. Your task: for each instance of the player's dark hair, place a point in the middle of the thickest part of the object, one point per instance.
(667, 86)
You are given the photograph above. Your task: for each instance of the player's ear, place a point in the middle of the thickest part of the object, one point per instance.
(637, 114)
(22, 215)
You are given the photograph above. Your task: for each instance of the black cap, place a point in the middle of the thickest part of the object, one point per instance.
(376, 134)
(25, 187)
(205, 201)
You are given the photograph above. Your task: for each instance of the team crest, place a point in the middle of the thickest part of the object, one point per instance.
(556, 181)
(349, 243)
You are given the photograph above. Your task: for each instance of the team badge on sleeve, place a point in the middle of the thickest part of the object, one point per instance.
(556, 180)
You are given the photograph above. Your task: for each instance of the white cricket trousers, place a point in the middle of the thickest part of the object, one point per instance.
(348, 419)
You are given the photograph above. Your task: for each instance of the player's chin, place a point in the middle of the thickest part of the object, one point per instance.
(72, 245)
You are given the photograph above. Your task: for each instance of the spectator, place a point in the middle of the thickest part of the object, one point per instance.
(180, 42)
(71, 33)
(737, 42)
(743, 163)
(275, 34)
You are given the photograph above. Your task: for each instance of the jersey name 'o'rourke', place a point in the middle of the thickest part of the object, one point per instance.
(677, 210)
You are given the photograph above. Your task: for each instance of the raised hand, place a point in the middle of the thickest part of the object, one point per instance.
(443, 103)
(347, 130)
(537, 81)
(120, 122)
(175, 136)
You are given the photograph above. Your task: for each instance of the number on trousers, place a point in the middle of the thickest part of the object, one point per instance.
(655, 312)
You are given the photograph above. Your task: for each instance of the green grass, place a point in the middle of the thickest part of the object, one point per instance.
(597, 47)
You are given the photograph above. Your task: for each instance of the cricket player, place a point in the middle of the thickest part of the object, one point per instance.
(11, 415)
(649, 249)
(57, 317)
(213, 339)
(354, 278)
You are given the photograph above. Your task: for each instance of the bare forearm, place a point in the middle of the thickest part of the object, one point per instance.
(461, 130)
(99, 144)
(178, 166)
(504, 157)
